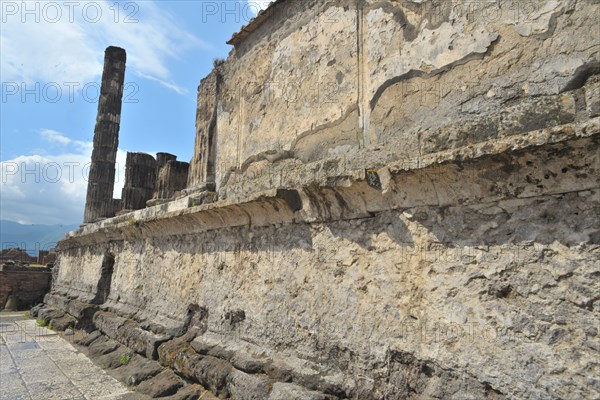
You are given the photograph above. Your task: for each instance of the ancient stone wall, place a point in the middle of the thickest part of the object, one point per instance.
(28, 285)
(471, 279)
(429, 233)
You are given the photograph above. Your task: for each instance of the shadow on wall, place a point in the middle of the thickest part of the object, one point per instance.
(266, 239)
(106, 272)
(539, 197)
(543, 221)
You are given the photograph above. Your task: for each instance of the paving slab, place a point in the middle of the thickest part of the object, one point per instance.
(36, 363)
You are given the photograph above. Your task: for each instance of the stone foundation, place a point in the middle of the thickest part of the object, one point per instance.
(472, 278)
(419, 221)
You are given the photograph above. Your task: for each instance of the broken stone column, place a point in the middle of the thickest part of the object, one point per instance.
(140, 181)
(172, 178)
(99, 200)
(162, 159)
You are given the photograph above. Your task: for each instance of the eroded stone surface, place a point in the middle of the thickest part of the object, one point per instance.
(400, 199)
(381, 72)
(137, 370)
(448, 273)
(191, 392)
(162, 385)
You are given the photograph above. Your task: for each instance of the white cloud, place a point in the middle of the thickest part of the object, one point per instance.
(68, 41)
(50, 189)
(44, 189)
(53, 136)
(169, 85)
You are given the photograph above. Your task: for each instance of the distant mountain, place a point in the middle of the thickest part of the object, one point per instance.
(31, 237)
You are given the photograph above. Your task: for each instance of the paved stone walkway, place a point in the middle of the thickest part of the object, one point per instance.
(36, 363)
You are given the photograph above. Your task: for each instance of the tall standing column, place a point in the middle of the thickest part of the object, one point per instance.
(99, 201)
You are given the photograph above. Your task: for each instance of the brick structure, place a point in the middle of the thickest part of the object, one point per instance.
(29, 285)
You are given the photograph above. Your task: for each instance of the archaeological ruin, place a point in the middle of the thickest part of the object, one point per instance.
(146, 178)
(388, 199)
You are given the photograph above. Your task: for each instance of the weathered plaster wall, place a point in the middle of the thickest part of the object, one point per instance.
(321, 78)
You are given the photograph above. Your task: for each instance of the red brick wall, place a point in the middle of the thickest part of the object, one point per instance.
(28, 286)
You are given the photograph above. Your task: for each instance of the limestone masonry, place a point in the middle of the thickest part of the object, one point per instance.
(387, 200)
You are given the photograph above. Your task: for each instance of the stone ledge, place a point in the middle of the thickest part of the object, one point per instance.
(363, 191)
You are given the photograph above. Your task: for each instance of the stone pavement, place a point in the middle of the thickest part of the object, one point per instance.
(36, 363)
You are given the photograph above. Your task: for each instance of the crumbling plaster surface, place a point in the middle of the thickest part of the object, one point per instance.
(348, 76)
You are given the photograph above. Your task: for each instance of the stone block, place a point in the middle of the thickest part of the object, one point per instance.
(63, 323)
(288, 391)
(108, 323)
(49, 313)
(102, 346)
(191, 392)
(87, 339)
(115, 359)
(137, 370)
(164, 384)
(213, 374)
(245, 362)
(243, 386)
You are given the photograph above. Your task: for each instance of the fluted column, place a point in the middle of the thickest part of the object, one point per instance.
(99, 200)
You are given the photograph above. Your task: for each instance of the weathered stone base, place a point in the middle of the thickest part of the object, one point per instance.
(225, 372)
(473, 278)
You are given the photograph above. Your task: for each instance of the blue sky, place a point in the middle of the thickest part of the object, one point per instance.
(51, 55)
